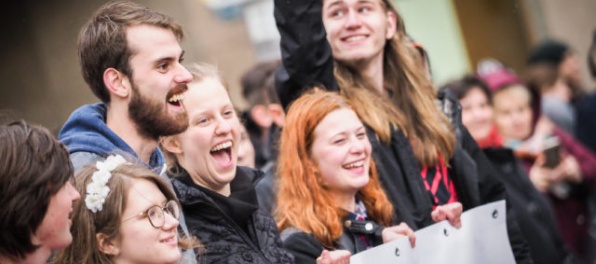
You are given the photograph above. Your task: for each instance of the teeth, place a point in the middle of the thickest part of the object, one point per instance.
(354, 164)
(176, 98)
(221, 146)
(355, 38)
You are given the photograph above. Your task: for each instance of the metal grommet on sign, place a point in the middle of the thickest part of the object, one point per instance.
(495, 214)
(397, 252)
(445, 232)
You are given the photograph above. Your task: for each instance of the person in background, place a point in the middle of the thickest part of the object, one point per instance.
(218, 197)
(534, 213)
(246, 151)
(127, 214)
(361, 49)
(553, 69)
(264, 119)
(565, 178)
(586, 108)
(264, 115)
(36, 193)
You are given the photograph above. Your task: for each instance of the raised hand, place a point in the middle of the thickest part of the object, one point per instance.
(450, 212)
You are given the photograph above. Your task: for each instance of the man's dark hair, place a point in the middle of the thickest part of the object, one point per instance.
(258, 84)
(102, 41)
(33, 167)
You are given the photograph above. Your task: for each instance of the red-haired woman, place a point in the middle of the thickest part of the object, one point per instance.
(330, 196)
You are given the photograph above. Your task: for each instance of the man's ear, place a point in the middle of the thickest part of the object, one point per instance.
(116, 82)
(106, 245)
(260, 115)
(171, 144)
(277, 114)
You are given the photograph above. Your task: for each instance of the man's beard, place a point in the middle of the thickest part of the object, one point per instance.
(152, 118)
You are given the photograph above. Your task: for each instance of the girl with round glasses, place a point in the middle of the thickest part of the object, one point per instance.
(127, 214)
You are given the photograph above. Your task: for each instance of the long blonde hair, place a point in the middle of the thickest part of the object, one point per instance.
(411, 104)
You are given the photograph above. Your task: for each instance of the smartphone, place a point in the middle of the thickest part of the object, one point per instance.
(552, 152)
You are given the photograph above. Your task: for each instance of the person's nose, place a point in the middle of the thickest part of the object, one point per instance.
(223, 126)
(352, 19)
(75, 195)
(183, 75)
(170, 222)
(357, 145)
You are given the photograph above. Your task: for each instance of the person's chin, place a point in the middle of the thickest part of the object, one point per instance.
(354, 58)
(173, 256)
(228, 176)
(64, 242)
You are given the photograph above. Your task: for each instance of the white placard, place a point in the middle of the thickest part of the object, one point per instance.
(481, 239)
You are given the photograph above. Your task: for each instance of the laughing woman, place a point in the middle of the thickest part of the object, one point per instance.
(329, 190)
(218, 198)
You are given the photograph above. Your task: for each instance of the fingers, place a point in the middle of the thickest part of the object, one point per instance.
(397, 231)
(438, 214)
(453, 211)
(571, 169)
(450, 212)
(324, 258)
(540, 177)
(540, 160)
(334, 257)
(407, 231)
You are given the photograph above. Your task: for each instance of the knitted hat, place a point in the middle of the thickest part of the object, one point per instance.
(548, 51)
(495, 75)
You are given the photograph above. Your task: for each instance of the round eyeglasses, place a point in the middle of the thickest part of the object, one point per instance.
(156, 213)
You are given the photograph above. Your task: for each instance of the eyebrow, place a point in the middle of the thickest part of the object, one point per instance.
(170, 58)
(360, 128)
(336, 3)
(155, 204)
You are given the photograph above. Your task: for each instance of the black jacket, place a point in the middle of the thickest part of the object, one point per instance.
(534, 213)
(266, 188)
(307, 60)
(225, 240)
(306, 248)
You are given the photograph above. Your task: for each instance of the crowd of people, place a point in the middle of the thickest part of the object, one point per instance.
(346, 145)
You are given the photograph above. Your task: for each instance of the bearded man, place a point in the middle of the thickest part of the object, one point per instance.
(130, 57)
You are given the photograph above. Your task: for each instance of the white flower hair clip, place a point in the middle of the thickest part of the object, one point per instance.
(97, 189)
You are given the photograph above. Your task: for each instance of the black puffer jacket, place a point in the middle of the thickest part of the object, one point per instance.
(224, 239)
(307, 60)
